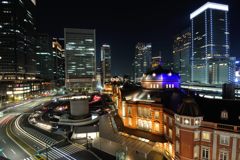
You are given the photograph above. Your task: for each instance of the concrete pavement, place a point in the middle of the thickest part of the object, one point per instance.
(111, 141)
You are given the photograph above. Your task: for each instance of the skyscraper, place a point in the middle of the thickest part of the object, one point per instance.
(182, 55)
(142, 60)
(17, 46)
(44, 57)
(58, 63)
(106, 62)
(80, 60)
(210, 39)
(156, 61)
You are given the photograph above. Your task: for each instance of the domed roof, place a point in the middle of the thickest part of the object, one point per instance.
(189, 108)
(160, 74)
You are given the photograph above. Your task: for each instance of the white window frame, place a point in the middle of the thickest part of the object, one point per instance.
(223, 155)
(205, 150)
(224, 140)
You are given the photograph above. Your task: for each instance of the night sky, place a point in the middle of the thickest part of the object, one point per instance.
(124, 23)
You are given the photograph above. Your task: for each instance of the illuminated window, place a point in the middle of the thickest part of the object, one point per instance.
(196, 135)
(196, 152)
(130, 121)
(177, 118)
(196, 122)
(166, 85)
(205, 153)
(123, 109)
(224, 114)
(165, 129)
(170, 133)
(186, 121)
(164, 118)
(177, 132)
(177, 147)
(156, 114)
(224, 140)
(206, 136)
(223, 155)
(156, 127)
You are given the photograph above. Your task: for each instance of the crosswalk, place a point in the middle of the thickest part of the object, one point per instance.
(63, 152)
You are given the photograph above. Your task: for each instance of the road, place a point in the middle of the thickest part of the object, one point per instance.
(10, 149)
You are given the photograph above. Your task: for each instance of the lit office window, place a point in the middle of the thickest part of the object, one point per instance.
(206, 136)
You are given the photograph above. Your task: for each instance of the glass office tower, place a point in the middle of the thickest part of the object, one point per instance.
(106, 62)
(210, 39)
(80, 59)
(142, 60)
(182, 55)
(17, 49)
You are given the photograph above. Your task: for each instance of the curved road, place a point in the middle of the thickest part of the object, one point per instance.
(9, 148)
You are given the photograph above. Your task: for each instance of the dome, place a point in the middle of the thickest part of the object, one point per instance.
(160, 78)
(189, 108)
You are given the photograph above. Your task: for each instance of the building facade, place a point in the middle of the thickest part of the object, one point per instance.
(142, 60)
(106, 63)
(17, 56)
(182, 55)
(156, 61)
(58, 63)
(181, 126)
(44, 58)
(80, 59)
(210, 39)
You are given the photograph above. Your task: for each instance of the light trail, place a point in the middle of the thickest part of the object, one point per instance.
(43, 144)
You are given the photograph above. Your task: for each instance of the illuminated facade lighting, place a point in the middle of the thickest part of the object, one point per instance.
(209, 5)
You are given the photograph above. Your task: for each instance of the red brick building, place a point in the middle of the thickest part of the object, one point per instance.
(185, 127)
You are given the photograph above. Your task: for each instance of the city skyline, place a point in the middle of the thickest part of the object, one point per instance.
(150, 22)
